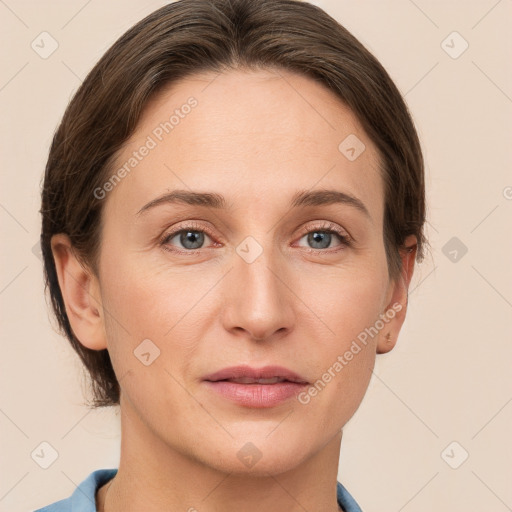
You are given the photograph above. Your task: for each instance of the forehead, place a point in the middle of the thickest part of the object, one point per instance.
(250, 135)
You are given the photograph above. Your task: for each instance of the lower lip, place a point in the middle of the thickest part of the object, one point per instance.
(257, 395)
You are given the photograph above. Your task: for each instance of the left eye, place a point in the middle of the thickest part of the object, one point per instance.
(322, 238)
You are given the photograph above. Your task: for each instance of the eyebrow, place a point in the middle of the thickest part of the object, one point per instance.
(300, 199)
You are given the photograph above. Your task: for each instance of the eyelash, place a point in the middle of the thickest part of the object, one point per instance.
(326, 227)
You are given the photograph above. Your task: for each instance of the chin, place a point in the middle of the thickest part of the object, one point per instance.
(260, 457)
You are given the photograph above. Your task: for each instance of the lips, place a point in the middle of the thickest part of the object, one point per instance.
(256, 388)
(250, 380)
(247, 375)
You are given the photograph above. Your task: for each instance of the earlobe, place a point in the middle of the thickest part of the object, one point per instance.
(397, 306)
(80, 292)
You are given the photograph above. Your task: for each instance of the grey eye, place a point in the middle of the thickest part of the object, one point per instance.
(189, 239)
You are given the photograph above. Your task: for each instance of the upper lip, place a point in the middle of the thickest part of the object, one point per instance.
(266, 372)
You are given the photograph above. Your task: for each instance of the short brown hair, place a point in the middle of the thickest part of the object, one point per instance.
(192, 36)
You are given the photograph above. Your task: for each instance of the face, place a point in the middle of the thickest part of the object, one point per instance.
(263, 271)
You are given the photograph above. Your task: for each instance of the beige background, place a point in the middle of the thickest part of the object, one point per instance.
(449, 377)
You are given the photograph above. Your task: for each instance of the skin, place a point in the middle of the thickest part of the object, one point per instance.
(256, 138)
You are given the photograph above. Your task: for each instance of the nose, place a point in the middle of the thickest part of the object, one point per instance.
(258, 299)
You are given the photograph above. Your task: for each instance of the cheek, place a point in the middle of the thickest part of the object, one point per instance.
(346, 300)
(349, 305)
(149, 299)
(152, 302)
(147, 316)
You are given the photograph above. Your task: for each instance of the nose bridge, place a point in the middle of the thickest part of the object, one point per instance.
(254, 270)
(258, 301)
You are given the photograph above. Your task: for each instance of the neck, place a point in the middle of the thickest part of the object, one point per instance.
(155, 476)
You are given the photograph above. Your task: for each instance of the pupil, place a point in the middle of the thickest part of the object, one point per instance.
(319, 237)
(193, 237)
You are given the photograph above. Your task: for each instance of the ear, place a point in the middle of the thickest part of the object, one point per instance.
(396, 308)
(81, 294)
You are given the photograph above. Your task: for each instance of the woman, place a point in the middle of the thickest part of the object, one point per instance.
(232, 209)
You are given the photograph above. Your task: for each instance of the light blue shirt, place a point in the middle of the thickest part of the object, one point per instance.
(83, 498)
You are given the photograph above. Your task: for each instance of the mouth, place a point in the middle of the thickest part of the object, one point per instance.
(250, 380)
(249, 375)
(256, 388)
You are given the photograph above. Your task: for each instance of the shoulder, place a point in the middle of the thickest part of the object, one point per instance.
(83, 498)
(345, 500)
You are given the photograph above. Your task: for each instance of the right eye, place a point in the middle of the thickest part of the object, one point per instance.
(187, 238)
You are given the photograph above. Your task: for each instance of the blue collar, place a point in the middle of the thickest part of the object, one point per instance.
(83, 498)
